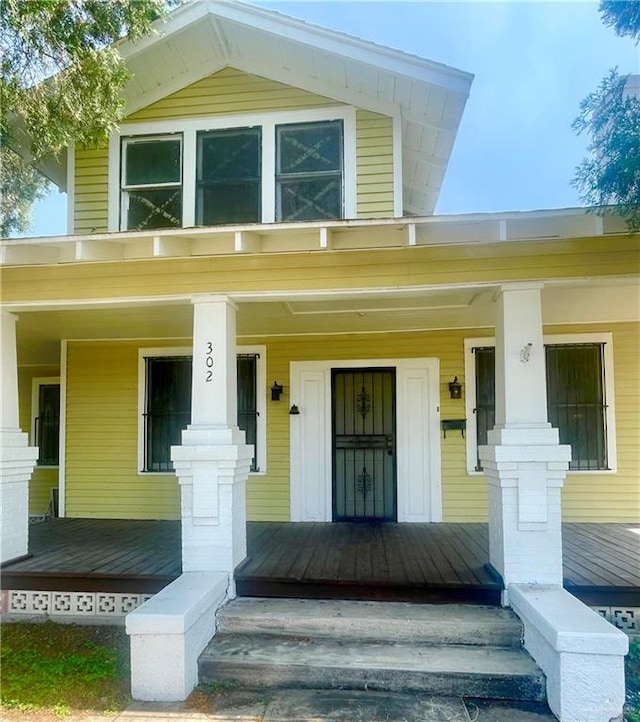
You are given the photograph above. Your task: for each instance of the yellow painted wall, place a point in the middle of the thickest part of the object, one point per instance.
(374, 158)
(91, 183)
(326, 270)
(102, 478)
(231, 92)
(43, 478)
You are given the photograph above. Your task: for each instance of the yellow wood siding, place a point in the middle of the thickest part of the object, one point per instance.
(102, 423)
(43, 479)
(374, 153)
(371, 268)
(229, 92)
(102, 477)
(91, 190)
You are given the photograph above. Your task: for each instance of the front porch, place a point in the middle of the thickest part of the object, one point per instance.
(444, 562)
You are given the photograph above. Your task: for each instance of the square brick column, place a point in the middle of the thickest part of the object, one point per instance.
(523, 461)
(213, 461)
(17, 458)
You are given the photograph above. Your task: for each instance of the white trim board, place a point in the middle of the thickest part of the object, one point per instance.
(419, 486)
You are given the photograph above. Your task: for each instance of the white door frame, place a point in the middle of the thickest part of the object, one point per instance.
(419, 487)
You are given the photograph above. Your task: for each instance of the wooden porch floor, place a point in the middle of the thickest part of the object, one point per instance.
(413, 562)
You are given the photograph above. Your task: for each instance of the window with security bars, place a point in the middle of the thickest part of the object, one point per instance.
(309, 171)
(47, 425)
(228, 176)
(576, 403)
(152, 182)
(168, 406)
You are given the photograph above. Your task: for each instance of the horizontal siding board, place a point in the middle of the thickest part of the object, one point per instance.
(102, 474)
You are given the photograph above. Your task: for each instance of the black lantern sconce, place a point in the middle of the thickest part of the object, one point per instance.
(455, 388)
(276, 391)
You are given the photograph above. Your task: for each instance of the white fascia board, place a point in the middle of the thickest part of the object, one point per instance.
(180, 18)
(344, 45)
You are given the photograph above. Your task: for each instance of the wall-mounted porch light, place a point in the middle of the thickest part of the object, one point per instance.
(455, 388)
(276, 391)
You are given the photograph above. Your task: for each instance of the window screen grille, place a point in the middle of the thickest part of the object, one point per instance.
(228, 176)
(576, 403)
(168, 407)
(152, 183)
(48, 425)
(309, 171)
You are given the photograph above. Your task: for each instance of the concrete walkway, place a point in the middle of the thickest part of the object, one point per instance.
(331, 706)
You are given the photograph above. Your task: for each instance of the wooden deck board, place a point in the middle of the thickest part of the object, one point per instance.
(416, 562)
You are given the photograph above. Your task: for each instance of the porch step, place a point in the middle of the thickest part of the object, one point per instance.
(373, 621)
(388, 647)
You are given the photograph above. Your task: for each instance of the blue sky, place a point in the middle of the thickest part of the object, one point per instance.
(533, 64)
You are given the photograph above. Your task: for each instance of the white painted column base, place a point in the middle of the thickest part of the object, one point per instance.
(168, 634)
(525, 467)
(581, 654)
(212, 466)
(17, 460)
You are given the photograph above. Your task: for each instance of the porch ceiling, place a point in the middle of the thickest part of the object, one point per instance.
(41, 330)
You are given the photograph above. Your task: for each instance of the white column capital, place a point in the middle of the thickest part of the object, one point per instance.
(215, 299)
(522, 286)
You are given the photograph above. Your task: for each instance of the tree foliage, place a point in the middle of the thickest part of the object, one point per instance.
(62, 78)
(609, 177)
(622, 15)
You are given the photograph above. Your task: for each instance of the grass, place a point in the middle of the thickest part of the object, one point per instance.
(632, 669)
(55, 669)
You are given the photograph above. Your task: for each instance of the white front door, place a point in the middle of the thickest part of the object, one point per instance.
(419, 497)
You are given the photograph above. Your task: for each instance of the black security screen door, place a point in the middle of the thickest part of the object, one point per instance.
(364, 440)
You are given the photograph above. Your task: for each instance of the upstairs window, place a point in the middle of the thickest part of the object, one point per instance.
(252, 168)
(576, 403)
(228, 176)
(152, 182)
(309, 179)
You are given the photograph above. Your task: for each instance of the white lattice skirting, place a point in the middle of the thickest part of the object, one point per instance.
(70, 604)
(103, 604)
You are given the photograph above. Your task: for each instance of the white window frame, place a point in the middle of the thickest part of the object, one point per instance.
(261, 400)
(189, 128)
(125, 189)
(572, 338)
(36, 383)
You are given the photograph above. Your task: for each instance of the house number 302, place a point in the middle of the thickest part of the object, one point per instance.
(208, 362)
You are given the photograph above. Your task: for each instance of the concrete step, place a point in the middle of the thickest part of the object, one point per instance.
(439, 624)
(269, 661)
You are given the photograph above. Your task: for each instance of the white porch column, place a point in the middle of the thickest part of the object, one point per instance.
(17, 458)
(213, 462)
(523, 461)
